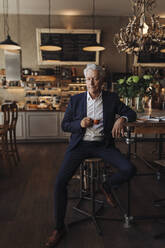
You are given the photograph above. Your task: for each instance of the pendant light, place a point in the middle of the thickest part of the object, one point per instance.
(50, 45)
(162, 50)
(7, 44)
(94, 46)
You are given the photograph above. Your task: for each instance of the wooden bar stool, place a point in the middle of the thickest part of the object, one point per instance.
(92, 173)
(89, 176)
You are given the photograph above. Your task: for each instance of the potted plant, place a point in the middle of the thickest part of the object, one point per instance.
(135, 87)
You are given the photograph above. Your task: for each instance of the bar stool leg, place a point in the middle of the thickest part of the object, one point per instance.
(93, 210)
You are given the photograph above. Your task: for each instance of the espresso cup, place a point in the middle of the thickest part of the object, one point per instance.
(96, 122)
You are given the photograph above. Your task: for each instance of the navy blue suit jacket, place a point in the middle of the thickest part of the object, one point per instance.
(77, 110)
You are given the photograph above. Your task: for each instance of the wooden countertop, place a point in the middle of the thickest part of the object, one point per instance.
(147, 124)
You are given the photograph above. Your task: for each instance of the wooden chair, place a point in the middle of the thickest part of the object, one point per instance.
(4, 150)
(12, 132)
(8, 130)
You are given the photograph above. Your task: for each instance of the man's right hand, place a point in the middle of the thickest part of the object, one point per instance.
(86, 122)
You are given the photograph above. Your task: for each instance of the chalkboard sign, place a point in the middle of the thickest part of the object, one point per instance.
(151, 57)
(72, 42)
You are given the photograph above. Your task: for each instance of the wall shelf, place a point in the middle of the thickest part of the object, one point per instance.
(41, 78)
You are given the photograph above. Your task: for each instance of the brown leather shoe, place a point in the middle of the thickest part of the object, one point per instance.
(54, 239)
(108, 195)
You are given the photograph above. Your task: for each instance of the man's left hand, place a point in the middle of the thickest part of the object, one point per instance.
(118, 128)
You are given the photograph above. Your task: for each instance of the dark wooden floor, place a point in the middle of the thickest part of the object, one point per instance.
(26, 204)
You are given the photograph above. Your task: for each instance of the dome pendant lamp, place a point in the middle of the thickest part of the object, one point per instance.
(50, 45)
(94, 46)
(7, 44)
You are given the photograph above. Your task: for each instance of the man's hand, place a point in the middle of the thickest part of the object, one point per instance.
(118, 128)
(86, 122)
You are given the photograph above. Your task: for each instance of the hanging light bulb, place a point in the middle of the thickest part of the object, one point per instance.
(143, 25)
(7, 44)
(50, 45)
(94, 46)
(145, 28)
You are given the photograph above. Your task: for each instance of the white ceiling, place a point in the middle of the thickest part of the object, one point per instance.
(76, 7)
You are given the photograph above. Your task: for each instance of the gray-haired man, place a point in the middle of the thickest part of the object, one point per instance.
(90, 117)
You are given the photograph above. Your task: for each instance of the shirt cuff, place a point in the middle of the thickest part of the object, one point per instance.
(125, 117)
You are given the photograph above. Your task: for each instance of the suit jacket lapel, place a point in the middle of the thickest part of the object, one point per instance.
(85, 105)
(105, 105)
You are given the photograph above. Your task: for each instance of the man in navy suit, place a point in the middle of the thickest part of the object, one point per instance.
(91, 119)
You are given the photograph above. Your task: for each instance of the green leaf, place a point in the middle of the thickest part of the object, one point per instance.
(135, 79)
(121, 81)
(129, 80)
(147, 77)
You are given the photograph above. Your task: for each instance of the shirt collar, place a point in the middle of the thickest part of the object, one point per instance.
(90, 98)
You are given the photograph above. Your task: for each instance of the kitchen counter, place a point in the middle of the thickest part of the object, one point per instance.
(34, 125)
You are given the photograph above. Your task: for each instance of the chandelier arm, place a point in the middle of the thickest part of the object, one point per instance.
(133, 6)
(150, 5)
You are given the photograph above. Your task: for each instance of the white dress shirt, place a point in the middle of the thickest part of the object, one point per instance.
(95, 112)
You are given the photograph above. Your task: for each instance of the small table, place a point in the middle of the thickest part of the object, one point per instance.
(145, 127)
(142, 127)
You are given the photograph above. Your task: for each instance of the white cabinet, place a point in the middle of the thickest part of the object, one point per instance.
(1, 118)
(42, 125)
(21, 126)
(39, 125)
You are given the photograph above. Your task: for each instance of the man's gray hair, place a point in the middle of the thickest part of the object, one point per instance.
(93, 67)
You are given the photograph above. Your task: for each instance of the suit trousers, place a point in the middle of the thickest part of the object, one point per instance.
(71, 162)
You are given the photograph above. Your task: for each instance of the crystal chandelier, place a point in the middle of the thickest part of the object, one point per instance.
(143, 32)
